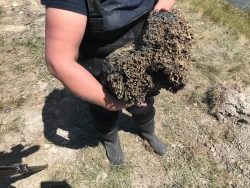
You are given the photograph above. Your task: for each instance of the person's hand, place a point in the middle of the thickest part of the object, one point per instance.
(142, 104)
(124, 105)
(164, 5)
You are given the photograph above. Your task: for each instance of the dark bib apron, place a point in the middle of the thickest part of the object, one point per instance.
(92, 51)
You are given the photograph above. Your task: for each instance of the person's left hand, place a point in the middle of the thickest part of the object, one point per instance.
(164, 5)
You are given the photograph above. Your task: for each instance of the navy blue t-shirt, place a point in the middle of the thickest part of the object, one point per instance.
(78, 6)
(116, 13)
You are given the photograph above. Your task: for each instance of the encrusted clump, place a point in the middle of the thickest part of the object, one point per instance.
(157, 59)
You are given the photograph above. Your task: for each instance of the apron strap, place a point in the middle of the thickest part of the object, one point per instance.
(95, 18)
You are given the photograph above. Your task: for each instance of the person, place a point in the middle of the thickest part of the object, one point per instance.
(74, 52)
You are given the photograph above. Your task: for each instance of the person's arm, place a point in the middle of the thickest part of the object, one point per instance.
(165, 5)
(64, 32)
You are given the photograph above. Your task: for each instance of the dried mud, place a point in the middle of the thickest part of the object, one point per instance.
(228, 103)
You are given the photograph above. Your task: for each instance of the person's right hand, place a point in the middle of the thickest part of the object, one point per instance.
(142, 104)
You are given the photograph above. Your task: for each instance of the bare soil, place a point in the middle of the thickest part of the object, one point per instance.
(43, 123)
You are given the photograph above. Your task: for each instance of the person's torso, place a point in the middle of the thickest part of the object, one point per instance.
(108, 18)
(118, 13)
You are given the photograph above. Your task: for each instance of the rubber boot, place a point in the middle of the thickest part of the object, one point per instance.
(147, 131)
(113, 147)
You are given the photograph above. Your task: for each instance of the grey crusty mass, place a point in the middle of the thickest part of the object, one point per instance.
(157, 59)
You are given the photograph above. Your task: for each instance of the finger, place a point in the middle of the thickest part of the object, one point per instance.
(143, 104)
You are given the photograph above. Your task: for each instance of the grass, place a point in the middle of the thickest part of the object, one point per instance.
(89, 166)
(238, 68)
(35, 46)
(208, 69)
(223, 13)
(16, 102)
(1, 11)
(1, 41)
(14, 126)
(33, 43)
(187, 171)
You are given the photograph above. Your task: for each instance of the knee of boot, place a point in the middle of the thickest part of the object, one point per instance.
(104, 129)
(145, 117)
(104, 120)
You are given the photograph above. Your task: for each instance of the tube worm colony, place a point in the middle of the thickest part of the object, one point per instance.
(158, 58)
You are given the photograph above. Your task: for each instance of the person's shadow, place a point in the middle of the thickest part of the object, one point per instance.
(15, 156)
(68, 122)
(52, 184)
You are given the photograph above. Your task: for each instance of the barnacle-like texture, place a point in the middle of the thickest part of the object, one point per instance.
(158, 58)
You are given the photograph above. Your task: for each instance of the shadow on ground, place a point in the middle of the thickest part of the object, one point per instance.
(68, 122)
(62, 184)
(15, 156)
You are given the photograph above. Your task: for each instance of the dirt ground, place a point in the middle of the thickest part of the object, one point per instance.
(43, 123)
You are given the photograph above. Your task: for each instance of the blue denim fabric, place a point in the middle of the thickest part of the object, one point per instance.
(116, 13)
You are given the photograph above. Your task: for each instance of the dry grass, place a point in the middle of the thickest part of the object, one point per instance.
(1, 11)
(90, 167)
(223, 13)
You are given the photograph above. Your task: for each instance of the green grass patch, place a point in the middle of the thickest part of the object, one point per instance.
(19, 68)
(223, 13)
(237, 68)
(118, 176)
(15, 103)
(107, 176)
(196, 171)
(1, 11)
(34, 44)
(1, 41)
(32, 55)
(2, 73)
(91, 170)
(211, 72)
(13, 126)
(209, 69)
